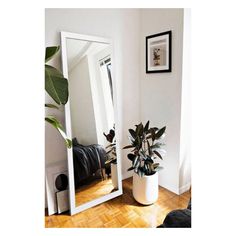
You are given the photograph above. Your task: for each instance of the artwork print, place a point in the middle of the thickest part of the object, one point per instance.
(158, 53)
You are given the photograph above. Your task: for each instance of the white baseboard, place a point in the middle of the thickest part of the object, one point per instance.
(170, 188)
(177, 191)
(184, 188)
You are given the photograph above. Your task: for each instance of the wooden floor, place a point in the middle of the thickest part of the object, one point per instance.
(122, 212)
(95, 189)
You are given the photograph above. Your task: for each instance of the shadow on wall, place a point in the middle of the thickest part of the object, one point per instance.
(185, 174)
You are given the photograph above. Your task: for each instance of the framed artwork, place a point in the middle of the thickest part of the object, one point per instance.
(158, 53)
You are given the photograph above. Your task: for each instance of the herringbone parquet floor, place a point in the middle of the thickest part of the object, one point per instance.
(122, 212)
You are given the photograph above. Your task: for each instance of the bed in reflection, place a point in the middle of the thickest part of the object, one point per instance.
(89, 162)
(91, 174)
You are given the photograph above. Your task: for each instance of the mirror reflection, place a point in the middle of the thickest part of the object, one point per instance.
(92, 119)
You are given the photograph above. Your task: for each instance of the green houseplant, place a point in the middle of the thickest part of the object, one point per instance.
(112, 158)
(111, 148)
(57, 88)
(146, 146)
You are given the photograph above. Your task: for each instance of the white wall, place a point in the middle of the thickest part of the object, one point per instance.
(160, 93)
(155, 97)
(122, 26)
(83, 123)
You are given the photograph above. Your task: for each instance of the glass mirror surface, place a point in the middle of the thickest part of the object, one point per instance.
(92, 119)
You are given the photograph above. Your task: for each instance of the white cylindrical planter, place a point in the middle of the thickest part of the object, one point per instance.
(114, 175)
(145, 189)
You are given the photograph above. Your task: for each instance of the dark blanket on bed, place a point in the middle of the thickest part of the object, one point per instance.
(87, 160)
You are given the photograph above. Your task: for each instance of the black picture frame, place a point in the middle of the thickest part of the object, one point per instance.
(160, 46)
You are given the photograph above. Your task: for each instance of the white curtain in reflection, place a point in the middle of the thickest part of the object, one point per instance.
(107, 94)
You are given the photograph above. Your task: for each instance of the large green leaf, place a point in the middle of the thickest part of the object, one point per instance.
(127, 147)
(56, 124)
(149, 160)
(49, 105)
(152, 133)
(50, 52)
(132, 132)
(142, 153)
(131, 168)
(131, 156)
(56, 85)
(149, 149)
(136, 162)
(110, 136)
(158, 154)
(156, 167)
(160, 132)
(139, 129)
(138, 143)
(146, 127)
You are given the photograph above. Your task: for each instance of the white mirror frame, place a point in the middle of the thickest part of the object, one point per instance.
(73, 208)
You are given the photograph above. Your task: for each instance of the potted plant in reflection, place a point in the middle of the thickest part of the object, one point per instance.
(111, 154)
(146, 147)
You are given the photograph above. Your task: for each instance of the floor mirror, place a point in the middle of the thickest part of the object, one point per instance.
(94, 160)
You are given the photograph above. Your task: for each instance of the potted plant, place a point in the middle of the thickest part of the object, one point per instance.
(146, 147)
(111, 153)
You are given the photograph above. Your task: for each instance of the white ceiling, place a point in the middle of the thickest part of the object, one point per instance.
(76, 49)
